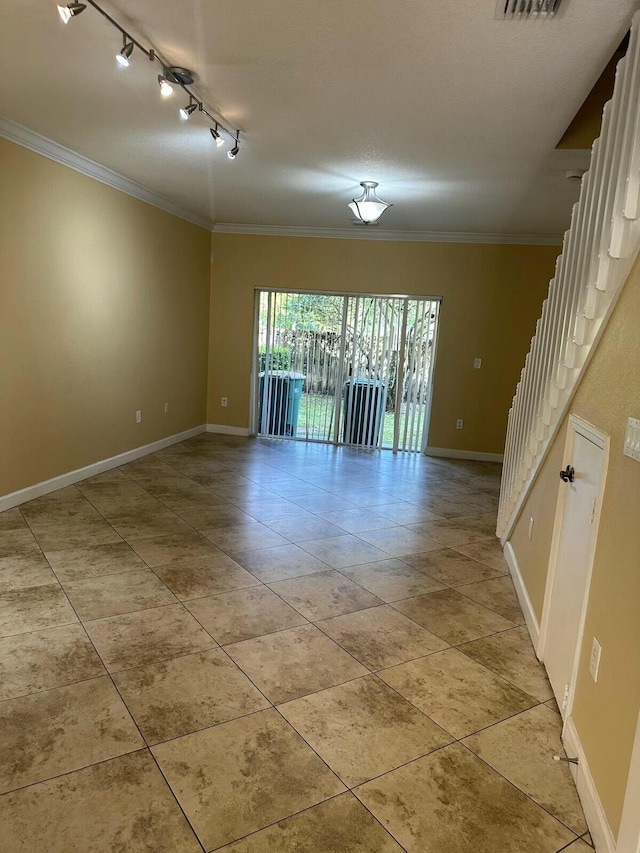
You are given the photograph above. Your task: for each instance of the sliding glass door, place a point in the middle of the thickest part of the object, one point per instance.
(342, 368)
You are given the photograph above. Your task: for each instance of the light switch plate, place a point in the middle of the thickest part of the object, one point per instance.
(632, 439)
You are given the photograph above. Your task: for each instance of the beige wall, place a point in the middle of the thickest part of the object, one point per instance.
(104, 305)
(605, 713)
(492, 297)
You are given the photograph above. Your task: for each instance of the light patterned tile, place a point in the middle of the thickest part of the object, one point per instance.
(363, 728)
(498, 595)
(397, 541)
(342, 551)
(324, 594)
(81, 563)
(280, 562)
(511, 655)
(451, 800)
(33, 608)
(294, 663)
(244, 775)
(452, 616)
(148, 636)
(56, 731)
(341, 824)
(520, 749)
(381, 637)
(161, 550)
(450, 568)
(180, 696)
(238, 538)
(40, 660)
(392, 580)
(197, 578)
(244, 614)
(457, 693)
(113, 595)
(121, 804)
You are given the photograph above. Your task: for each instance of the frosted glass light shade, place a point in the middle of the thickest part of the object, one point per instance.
(368, 208)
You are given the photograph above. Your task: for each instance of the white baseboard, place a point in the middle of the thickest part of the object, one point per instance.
(476, 455)
(71, 477)
(223, 429)
(593, 811)
(523, 596)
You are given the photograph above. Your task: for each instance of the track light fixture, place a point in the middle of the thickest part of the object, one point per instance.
(185, 112)
(236, 148)
(166, 88)
(216, 135)
(172, 75)
(122, 58)
(68, 12)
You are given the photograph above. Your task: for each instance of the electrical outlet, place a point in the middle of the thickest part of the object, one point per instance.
(477, 363)
(224, 402)
(594, 660)
(166, 408)
(139, 416)
(459, 423)
(531, 523)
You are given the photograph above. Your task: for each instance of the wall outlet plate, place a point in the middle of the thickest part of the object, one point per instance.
(138, 416)
(477, 363)
(224, 401)
(459, 423)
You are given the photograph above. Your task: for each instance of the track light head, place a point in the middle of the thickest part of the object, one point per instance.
(234, 151)
(68, 12)
(216, 135)
(185, 112)
(166, 88)
(122, 58)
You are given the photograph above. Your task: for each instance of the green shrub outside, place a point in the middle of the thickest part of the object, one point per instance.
(279, 358)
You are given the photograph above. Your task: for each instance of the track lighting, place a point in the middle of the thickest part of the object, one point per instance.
(67, 12)
(166, 88)
(122, 58)
(216, 135)
(185, 112)
(234, 151)
(171, 76)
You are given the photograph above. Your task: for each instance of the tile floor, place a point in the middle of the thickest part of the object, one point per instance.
(256, 646)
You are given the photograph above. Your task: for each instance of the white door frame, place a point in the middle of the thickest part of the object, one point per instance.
(576, 427)
(629, 836)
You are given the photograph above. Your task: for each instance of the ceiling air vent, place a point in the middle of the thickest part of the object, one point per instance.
(512, 9)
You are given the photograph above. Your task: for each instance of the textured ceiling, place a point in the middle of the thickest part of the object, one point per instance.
(455, 113)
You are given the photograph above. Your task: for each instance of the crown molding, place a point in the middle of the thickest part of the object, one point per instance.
(362, 233)
(27, 138)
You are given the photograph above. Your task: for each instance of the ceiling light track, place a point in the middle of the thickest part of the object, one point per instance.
(171, 75)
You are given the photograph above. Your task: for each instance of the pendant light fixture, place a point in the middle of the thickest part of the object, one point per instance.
(368, 208)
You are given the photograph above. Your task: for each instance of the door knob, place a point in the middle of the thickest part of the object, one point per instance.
(568, 475)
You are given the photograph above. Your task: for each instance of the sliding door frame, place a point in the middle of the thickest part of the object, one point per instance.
(254, 426)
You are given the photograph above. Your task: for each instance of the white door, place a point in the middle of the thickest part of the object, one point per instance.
(572, 568)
